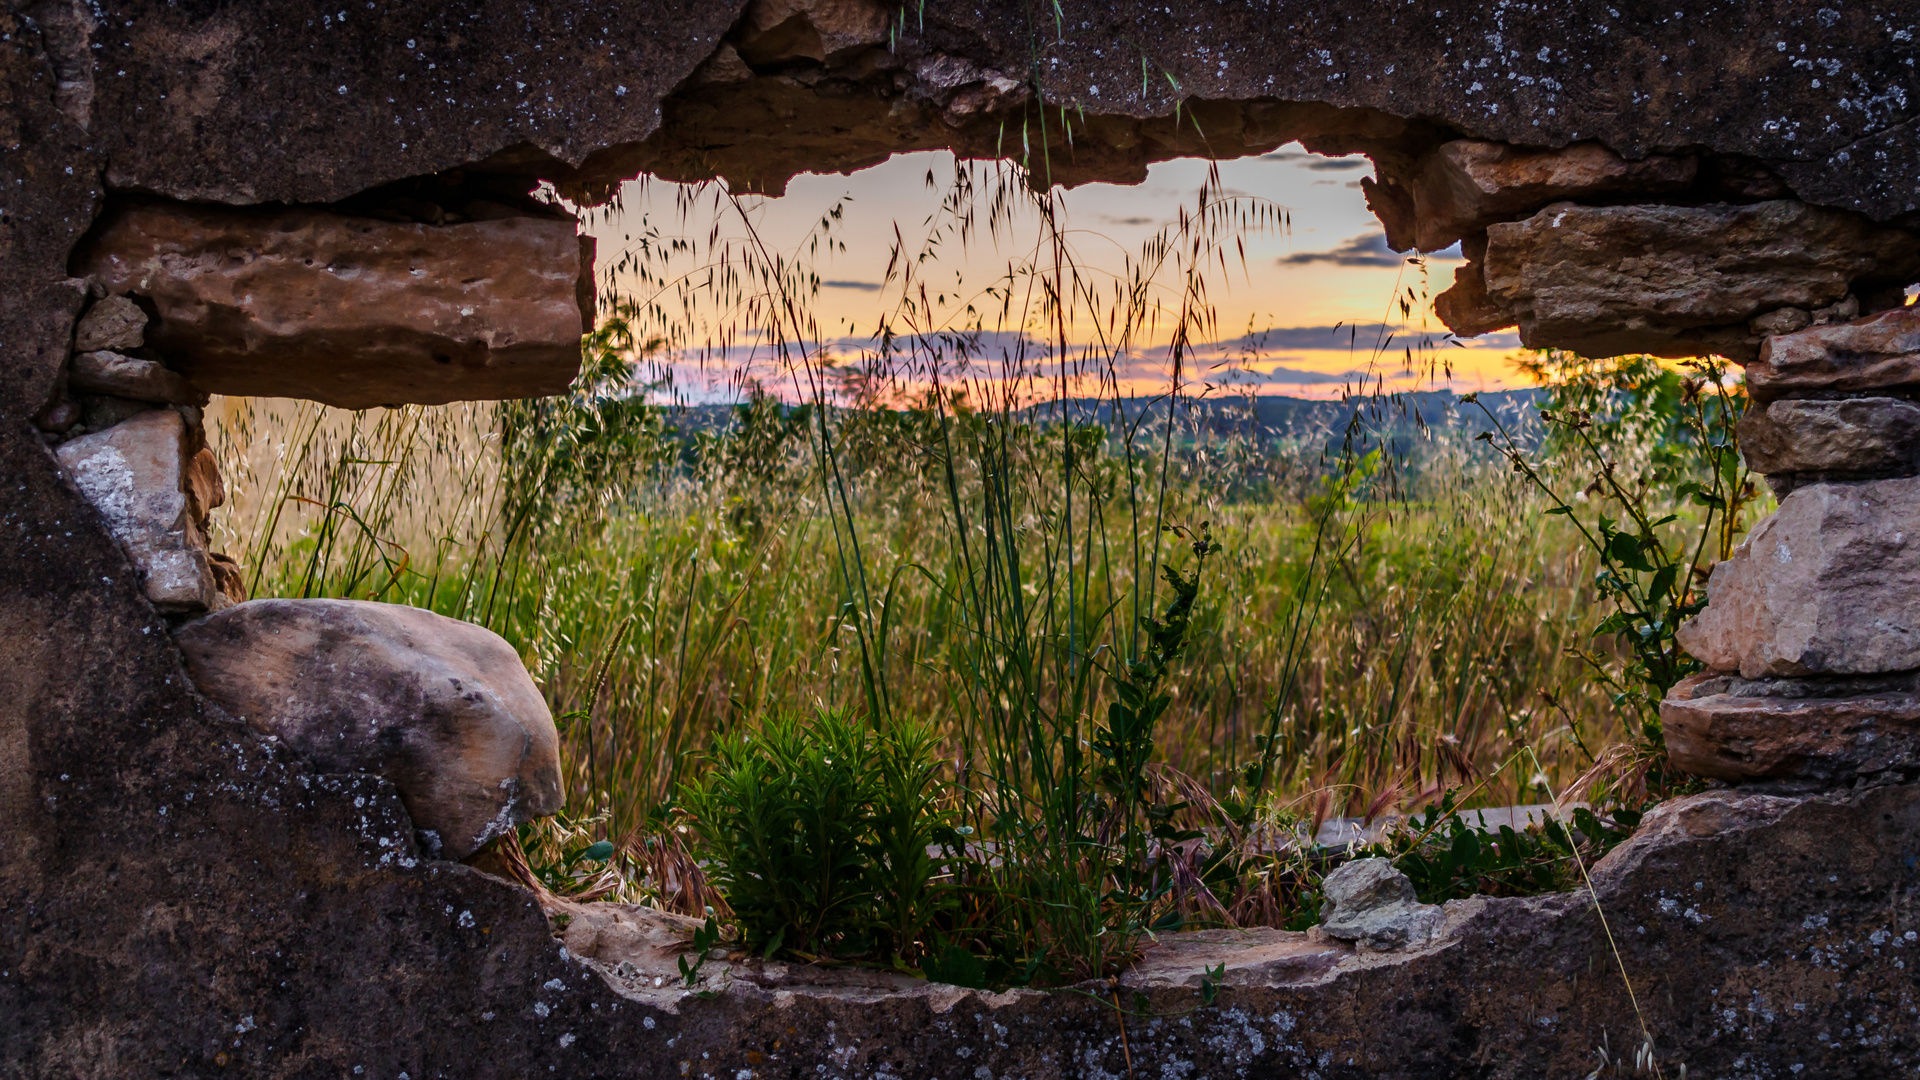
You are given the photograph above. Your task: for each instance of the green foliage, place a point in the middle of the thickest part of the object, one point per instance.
(1447, 858)
(1666, 496)
(704, 940)
(566, 857)
(818, 832)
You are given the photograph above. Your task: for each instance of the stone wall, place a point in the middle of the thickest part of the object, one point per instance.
(186, 894)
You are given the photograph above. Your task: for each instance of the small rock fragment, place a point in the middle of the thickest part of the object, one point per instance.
(58, 418)
(113, 323)
(134, 474)
(1876, 435)
(442, 708)
(127, 377)
(1784, 321)
(228, 578)
(205, 491)
(1373, 905)
(98, 412)
(1466, 308)
(1827, 585)
(780, 31)
(1879, 352)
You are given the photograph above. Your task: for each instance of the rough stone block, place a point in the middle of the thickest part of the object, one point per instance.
(1879, 352)
(113, 323)
(137, 380)
(353, 312)
(1679, 280)
(1853, 435)
(1736, 729)
(1827, 585)
(1372, 905)
(134, 474)
(442, 708)
(1468, 184)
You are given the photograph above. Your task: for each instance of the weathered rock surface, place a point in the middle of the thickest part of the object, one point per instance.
(1879, 352)
(1676, 280)
(1373, 905)
(112, 324)
(127, 377)
(1827, 585)
(442, 708)
(135, 474)
(353, 312)
(1468, 184)
(1827, 730)
(1871, 436)
(155, 857)
(780, 31)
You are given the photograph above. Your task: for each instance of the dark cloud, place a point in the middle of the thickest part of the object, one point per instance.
(1367, 249)
(1111, 220)
(863, 286)
(1318, 162)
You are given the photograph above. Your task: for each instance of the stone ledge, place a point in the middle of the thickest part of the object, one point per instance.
(1736, 729)
(352, 311)
(1878, 353)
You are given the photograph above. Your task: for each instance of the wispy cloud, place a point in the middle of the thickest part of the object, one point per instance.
(1367, 249)
(1317, 162)
(1279, 376)
(862, 286)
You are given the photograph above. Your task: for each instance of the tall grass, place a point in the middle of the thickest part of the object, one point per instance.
(1122, 623)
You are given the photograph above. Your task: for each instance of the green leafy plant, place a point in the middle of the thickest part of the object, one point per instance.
(818, 832)
(1666, 497)
(705, 938)
(1449, 858)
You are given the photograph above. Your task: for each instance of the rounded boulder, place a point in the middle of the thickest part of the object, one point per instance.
(442, 708)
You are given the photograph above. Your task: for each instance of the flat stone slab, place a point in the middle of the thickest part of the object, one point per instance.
(1869, 435)
(1739, 729)
(354, 312)
(1666, 280)
(1877, 353)
(1468, 184)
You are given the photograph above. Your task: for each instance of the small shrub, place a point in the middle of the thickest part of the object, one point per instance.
(819, 834)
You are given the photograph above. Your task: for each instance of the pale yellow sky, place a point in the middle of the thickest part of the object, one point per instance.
(1326, 267)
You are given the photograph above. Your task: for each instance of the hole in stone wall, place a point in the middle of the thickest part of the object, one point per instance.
(681, 550)
(1158, 494)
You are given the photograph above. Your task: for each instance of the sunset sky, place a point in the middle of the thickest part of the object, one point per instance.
(1328, 267)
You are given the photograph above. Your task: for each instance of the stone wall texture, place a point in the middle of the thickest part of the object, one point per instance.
(181, 897)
